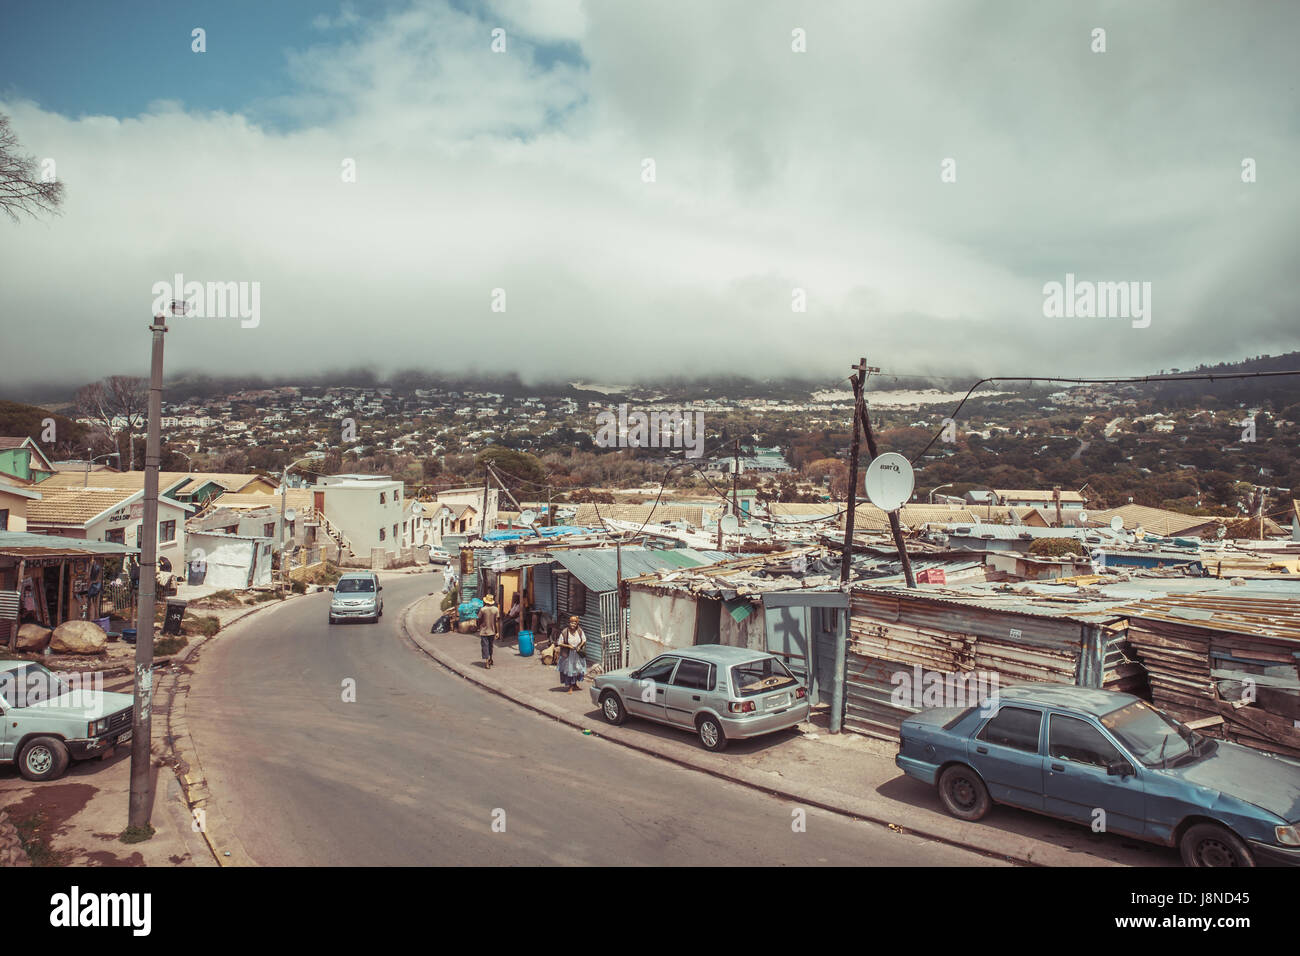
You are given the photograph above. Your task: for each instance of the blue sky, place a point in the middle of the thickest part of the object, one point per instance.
(780, 174)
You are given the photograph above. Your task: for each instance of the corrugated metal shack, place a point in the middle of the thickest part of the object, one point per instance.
(1016, 637)
(1225, 656)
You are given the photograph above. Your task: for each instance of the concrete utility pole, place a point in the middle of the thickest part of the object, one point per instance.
(482, 528)
(141, 800)
(846, 556)
(735, 479)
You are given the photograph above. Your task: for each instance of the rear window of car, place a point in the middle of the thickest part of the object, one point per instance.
(1014, 727)
(759, 677)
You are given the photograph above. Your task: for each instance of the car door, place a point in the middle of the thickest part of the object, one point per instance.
(685, 695)
(1006, 752)
(647, 691)
(1077, 783)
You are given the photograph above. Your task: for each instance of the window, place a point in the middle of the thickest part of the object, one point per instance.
(1014, 727)
(659, 669)
(694, 674)
(382, 536)
(383, 498)
(268, 529)
(759, 677)
(394, 532)
(4, 519)
(1148, 734)
(1069, 738)
(355, 586)
(115, 535)
(166, 531)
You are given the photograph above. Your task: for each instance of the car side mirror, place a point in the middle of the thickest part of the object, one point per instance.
(381, 587)
(331, 587)
(635, 675)
(1119, 768)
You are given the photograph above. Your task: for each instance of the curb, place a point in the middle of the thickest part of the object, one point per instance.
(1026, 850)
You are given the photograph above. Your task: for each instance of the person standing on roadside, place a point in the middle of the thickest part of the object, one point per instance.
(572, 642)
(489, 617)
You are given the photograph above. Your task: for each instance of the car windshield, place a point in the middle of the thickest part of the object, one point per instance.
(759, 677)
(1149, 735)
(355, 585)
(30, 684)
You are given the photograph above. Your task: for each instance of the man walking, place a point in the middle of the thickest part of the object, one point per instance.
(488, 618)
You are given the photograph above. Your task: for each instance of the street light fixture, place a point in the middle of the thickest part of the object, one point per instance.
(91, 461)
(940, 488)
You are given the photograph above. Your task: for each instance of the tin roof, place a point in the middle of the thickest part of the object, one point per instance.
(22, 544)
(597, 568)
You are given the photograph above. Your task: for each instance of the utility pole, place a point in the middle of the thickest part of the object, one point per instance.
(482, 529)
(141, 799)
(735, 480)
(518, 507)
(846, 557)
(860, 404)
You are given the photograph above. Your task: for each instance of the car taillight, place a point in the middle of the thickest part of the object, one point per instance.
(741, 707)
(799, 694)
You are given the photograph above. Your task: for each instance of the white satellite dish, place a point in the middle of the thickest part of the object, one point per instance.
(1117, 523)
(889, 481)
(1083, 517)
(290, 514)
(416, 508)
(729, 524)
(527, 517)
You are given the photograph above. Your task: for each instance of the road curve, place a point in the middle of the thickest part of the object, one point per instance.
(425, 769)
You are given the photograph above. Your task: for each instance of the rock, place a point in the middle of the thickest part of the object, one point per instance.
(78, 637)
(33, 637)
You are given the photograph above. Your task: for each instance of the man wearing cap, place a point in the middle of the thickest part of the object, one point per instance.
(488, 617)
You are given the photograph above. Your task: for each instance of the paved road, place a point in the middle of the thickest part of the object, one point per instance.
(416, 769)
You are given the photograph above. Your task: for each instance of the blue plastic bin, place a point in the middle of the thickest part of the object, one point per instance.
(526, 643)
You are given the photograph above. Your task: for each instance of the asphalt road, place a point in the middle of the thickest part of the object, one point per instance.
(425, 769)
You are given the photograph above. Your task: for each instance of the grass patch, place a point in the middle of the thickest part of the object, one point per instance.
(31, 833)
(137, 834)
(261, 597)
(169, 644)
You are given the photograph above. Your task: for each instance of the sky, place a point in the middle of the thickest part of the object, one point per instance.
(833, 179)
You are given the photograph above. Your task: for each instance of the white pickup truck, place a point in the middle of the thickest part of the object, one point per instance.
(46, 723)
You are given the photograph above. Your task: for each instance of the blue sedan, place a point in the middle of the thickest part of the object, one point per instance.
(1114, 762)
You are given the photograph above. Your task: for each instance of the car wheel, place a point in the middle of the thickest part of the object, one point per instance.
(1208, 844)
(332, 621)
(963, 793)
(612, 709)
(43, 758)
(711, 735)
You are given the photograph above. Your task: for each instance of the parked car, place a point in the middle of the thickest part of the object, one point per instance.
(45, 724)
(438, 555)
(1075, 752)
(357, 597)
(721, 693)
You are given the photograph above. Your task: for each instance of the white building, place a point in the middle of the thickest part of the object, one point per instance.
(366, 509)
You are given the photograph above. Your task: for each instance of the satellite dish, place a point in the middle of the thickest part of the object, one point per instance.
(290, 514)
(416, 508)
(1083, 517)
(1222, 532)
(889, 481)
(528, 517)
(1117, 523)
(729, 524)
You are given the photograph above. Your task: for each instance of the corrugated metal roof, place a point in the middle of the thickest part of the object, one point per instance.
(597, 568)
(22, 544)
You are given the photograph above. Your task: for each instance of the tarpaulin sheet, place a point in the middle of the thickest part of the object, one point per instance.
(658, 621)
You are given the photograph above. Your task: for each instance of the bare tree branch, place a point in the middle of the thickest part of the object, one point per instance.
(22, 186)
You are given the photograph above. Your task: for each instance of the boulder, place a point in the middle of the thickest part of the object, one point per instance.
(33, 637)
(78, 637)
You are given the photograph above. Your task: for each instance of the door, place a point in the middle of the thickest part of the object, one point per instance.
(646, 697)
(691, 684)
(1006, 753)
(611, 638)
(1077, 784)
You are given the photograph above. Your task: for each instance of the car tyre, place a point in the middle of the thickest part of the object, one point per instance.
(43, 758)
(1208, 844)
(711, 735)
(612, 709)
(963, 793)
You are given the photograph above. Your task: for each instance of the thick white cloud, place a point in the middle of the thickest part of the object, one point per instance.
(775, 170)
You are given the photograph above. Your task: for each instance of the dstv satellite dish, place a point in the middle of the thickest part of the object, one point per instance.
(889, 481)
(416, 508)
(528, 517)
(729, 524)
(1117, 523)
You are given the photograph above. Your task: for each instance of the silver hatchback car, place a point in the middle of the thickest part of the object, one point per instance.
(721, 693)
(356, 597)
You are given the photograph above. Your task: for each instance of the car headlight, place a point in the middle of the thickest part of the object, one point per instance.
(96, 727)
(1288, 836)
